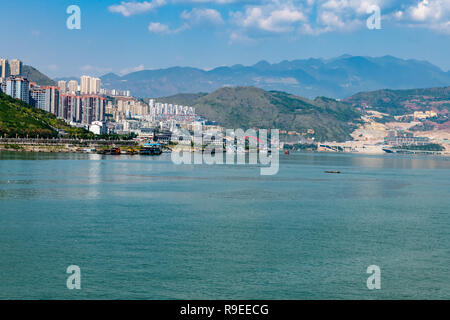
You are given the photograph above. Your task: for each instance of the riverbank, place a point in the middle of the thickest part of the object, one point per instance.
(61, 145)
(93, 146)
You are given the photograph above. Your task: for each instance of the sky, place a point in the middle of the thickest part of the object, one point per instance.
(126, 36)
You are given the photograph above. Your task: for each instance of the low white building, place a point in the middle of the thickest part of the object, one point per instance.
(98, 127)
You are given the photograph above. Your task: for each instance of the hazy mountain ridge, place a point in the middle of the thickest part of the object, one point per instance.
(338, 78)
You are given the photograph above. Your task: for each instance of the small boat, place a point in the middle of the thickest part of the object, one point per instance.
(114, 151)
(151, 149)
(132, 151)
(332, 172)
(110, 151)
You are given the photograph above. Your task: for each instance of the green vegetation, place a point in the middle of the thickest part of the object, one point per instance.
(34, 75)
(18, 119)
(399, 102)
(12, 146)
(182, 98)
(115, 136)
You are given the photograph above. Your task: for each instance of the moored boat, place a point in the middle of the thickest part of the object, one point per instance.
(151, 149)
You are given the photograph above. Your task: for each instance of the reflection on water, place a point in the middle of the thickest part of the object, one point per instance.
(144, 228)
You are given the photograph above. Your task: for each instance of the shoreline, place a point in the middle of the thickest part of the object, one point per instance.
(61, 149)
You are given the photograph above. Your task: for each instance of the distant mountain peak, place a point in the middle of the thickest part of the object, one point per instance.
(111, 75)
(262, 64)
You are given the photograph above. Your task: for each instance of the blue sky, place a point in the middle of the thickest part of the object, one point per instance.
(123, 36)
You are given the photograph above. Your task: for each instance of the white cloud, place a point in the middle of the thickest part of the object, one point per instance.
(132, 69)
(193, 17)
(427, 10)
(311, 17)
(199, 16)
(269, 18)
(296, 16)
(207, 1)
(430, 14)
(356, 7)
(157, 27)
(133, 7)
(237, 37)
(160, 28)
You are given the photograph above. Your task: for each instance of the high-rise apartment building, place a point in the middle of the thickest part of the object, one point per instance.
(4, 68)
(85, 85)
(93, 109)
(18, 87)
(62, 85)
(73, 86)
(90, 85)
(95, 86)
(71, 107)
(37, 97)
(52, 100)
(15, 67)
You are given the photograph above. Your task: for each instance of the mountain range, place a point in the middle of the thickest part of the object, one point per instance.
(247, 107)
(330, 119)
(337, 78)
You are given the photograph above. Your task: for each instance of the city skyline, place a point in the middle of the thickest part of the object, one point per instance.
(127, 36)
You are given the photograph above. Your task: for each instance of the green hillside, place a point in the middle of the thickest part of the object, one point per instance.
(35, 75)
(182, 98)
(20, 119)
(247, 107)
(398, 102)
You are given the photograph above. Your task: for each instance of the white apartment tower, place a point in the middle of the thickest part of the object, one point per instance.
(85, 85)
(4, 68)
(15, 67)
(90, 85)
(95, 86)
(62, 86)
(73, 86)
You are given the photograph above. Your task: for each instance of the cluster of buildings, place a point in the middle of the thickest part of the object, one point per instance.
(397, 138)
(115, 93)
(168, 109)
(10, 68)
(86, 104)
(417, 115)
(127, 107)
(79, 105)
(128, 114)
(11, 81)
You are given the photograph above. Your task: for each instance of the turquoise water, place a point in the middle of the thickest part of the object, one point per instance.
(144, 228)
